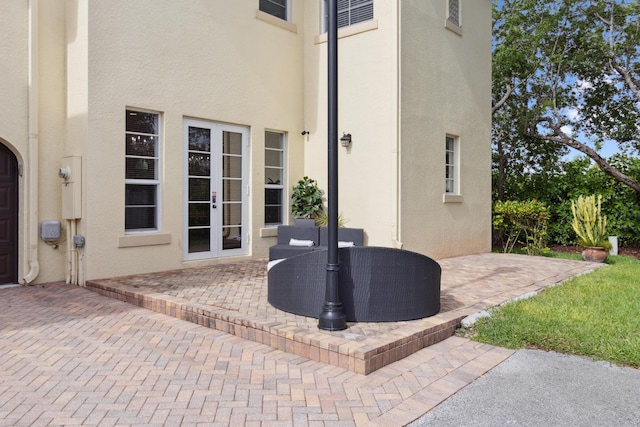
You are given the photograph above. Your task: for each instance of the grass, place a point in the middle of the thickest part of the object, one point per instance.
(595, 315)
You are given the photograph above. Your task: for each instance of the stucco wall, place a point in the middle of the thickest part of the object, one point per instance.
(446, 84)
(367, 82)
(203, 59)
(31, 123)
(13, 84)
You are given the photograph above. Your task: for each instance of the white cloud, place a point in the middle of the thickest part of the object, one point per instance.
(568, 130)
(573, 113)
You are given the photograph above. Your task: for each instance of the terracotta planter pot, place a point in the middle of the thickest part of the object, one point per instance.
(594, 254)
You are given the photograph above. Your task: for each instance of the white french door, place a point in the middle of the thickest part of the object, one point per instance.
(216, 189)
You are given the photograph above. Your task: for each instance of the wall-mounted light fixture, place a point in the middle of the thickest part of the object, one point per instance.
(345, 140)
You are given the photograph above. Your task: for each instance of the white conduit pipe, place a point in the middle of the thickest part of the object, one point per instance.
(69, 252)
(32, 181)
(73, 254)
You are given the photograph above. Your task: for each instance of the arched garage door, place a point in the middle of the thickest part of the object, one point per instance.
(8, 216)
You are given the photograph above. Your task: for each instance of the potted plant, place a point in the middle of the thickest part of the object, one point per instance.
(306, 201)
(322, 219)
(590, 227)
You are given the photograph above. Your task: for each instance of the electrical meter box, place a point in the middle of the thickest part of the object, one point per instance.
(71, 174)
(50, 231)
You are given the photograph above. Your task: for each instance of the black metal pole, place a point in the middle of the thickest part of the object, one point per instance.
(332, 318)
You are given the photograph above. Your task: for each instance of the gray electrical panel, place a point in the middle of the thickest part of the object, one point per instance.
(50, 231)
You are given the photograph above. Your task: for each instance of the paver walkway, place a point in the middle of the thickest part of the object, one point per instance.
(69, 356)
(233, 298)
(72, 357)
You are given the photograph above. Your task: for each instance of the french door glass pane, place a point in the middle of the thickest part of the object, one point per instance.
(232, 190)
(199, 139)
(199, 215)
(232, 214)
(199, 240)
(199, 189)
(231, 237)
(199, 164)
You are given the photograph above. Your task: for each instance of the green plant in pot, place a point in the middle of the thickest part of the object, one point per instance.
(306, 201)
(323, 219)
(590, 227)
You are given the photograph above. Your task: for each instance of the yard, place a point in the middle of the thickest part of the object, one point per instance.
(594, 315)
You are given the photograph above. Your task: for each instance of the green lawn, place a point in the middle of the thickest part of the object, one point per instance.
(595, 315)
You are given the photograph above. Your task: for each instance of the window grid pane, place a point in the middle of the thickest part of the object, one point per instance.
(350, 12)
(277, 8)
(450, 165)
(454, 12)
(141, 170)
(274, 171)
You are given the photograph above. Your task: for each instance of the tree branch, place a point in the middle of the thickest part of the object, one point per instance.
(504, 98)
(628, 78)
(558, 136)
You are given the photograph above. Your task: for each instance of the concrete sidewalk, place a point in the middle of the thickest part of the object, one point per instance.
(536, 388)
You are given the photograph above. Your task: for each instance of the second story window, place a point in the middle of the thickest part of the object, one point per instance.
(277, 8)
(350, 12)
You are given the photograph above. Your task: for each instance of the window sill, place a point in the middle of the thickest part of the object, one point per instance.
(350, 30)
(144, 240)
(451, 198)
(453, 27)
(270, 19)
(269, 231)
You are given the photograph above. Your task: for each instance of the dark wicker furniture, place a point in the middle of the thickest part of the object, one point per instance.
(316, 234)
(376, 284)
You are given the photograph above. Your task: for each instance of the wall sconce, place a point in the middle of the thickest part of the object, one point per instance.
(345, 140)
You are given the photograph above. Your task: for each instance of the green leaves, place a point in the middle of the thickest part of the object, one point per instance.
(522, 222)
(306, 199)
(588, 222)
(571, 70)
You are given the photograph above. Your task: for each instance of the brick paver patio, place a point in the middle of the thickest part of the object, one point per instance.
(233, 298)
(73, 357)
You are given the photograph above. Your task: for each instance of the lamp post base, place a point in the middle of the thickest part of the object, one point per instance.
(332, 318)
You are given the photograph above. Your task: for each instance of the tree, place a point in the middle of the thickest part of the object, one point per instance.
(568, 71)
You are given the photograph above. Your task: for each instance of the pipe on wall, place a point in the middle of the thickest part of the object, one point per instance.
(396, 190)
(33, 146)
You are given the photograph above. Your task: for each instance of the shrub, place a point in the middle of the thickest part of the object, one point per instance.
(522, 223)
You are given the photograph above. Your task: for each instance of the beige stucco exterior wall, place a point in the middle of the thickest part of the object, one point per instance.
(446, 88)
(14, 82)
(14, 87)
(32, 126)
(405, 81)
(203, 59)
(367, 81)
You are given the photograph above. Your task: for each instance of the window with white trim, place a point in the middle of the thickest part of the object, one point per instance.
(350, 12)
(277, 8)
(454, 16)
(274, 173)
(142, 184)
(451, 164)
